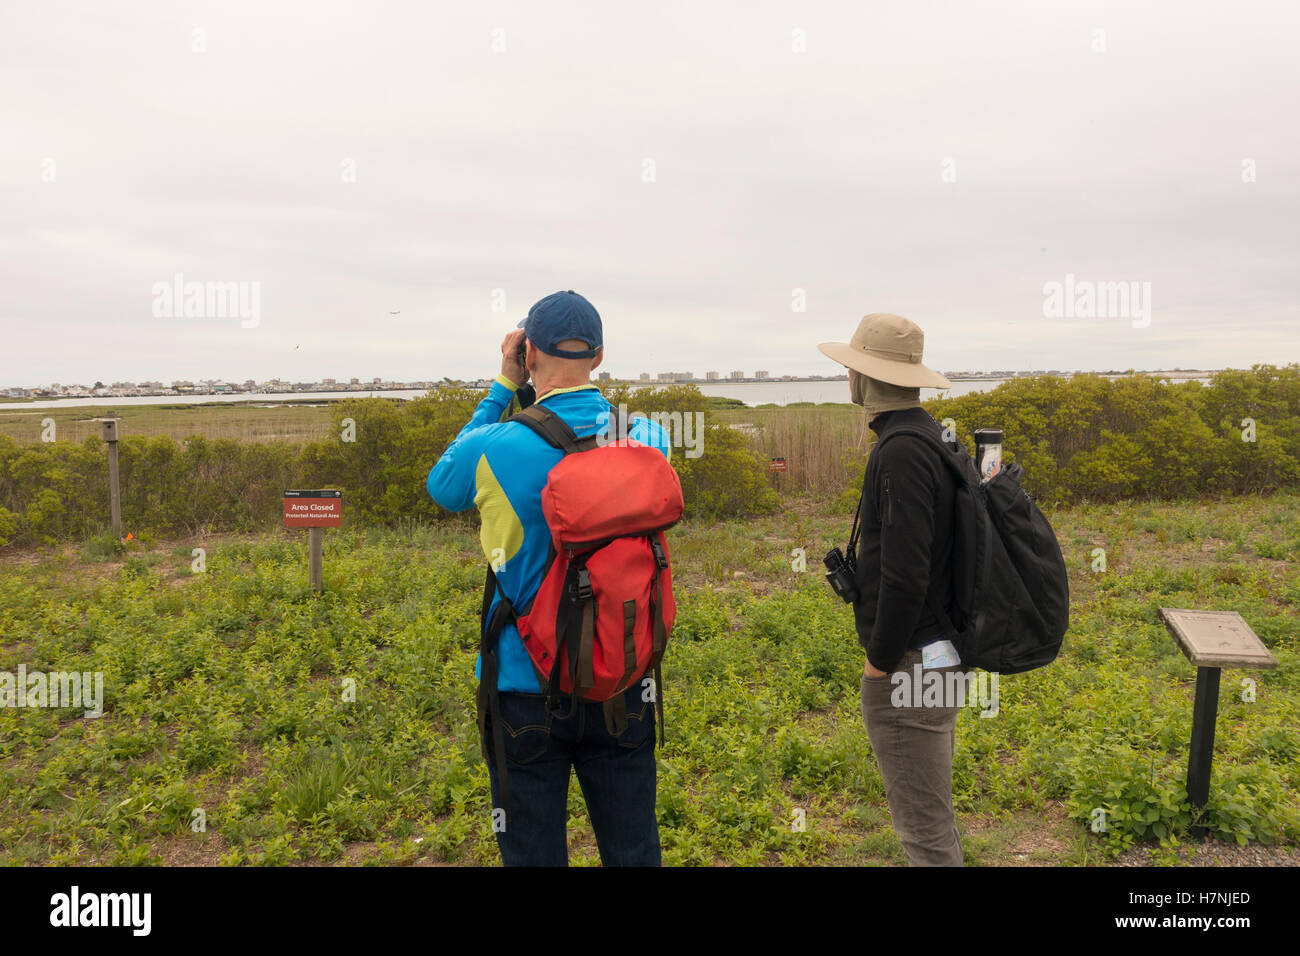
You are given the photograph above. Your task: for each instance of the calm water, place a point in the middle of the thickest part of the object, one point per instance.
(271, 398)
(751, 393)
(786, 393)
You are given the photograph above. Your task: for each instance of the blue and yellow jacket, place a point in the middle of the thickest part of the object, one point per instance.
(501, 468)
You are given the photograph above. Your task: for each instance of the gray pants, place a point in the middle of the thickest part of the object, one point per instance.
(913, 745)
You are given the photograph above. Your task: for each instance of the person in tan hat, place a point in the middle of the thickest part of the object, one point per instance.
(903, 567)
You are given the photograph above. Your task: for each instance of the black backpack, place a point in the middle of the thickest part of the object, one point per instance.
(1008, 575)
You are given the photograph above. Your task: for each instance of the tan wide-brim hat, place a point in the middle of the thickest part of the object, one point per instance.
(887, 348)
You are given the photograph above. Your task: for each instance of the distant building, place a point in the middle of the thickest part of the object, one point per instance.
(712, 376)
(605, 377)
(761, 376)
(737, 376)
(645, 376)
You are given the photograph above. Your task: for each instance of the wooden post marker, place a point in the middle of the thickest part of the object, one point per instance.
(315, 510)
(108, 431)
(316, 539)
(1211, 640)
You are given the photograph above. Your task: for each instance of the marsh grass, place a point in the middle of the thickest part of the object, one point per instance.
(239, 421)
(824, 446)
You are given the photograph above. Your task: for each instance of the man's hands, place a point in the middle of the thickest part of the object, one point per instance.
(511, 367)
(870, 671)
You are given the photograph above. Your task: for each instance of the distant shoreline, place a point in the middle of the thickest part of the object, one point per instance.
(751, 393)
(333, 395)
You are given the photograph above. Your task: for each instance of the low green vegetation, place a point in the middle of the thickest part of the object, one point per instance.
(340, 728)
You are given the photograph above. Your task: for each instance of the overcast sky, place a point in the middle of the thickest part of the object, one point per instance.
(686, 166)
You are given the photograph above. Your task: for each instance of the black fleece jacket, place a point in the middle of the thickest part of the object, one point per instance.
(906, 544)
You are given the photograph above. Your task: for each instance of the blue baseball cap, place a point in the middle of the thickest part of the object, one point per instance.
(560, 316)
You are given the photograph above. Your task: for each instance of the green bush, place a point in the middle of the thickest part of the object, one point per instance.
(383, 471)
(1094, 438)
(728, 480)
(8, 526)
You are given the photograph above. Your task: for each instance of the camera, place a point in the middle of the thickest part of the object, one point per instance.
(842, 573)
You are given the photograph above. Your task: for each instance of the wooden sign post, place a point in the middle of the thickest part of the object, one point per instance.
(108, 431)
(316, 511)
(1211, 640)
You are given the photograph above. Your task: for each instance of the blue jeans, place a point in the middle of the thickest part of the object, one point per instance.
(618, 780)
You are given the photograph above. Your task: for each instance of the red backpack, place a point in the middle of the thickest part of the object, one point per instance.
(600, 620)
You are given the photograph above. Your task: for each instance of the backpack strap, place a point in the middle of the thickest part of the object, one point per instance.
(954, 462)
(575, 630)
(488, 699)
(616, 707)
(962, 474)
(555, 431)
(660, 633)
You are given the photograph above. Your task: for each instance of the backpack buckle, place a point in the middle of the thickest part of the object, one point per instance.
(661, 559)
(582, 590)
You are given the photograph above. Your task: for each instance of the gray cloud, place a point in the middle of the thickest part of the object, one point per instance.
(523, 170)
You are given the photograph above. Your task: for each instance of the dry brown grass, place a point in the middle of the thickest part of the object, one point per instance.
(825, 446)
(242, 421)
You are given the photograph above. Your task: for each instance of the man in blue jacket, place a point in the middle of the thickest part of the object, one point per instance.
(500, 468)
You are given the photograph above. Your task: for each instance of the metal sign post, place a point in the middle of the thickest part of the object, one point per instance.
(316, 511)
(1211, 640)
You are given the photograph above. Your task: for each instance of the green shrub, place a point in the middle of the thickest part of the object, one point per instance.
(8, 526)
(1090, 437)
(728, 480)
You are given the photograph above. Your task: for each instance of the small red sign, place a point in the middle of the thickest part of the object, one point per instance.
(313, 509)
(777, 464)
